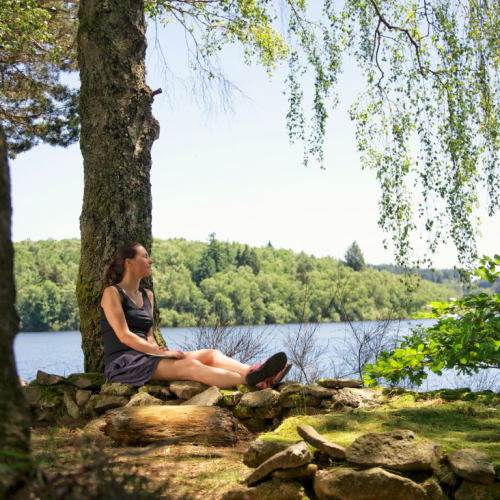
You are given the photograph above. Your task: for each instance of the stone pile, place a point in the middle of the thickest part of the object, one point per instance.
(88, 395)
(376, 466)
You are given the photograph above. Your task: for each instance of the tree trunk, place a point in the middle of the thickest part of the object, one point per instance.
(117, 133)
(14, 409)
(207, 425)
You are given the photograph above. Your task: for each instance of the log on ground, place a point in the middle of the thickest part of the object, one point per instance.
(207, 425)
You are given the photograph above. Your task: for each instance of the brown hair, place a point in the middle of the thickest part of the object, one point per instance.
(115, 270)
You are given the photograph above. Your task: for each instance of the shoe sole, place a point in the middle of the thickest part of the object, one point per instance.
(269, 368)
(282, 376)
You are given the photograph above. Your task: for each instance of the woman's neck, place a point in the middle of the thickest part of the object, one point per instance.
(131, 285)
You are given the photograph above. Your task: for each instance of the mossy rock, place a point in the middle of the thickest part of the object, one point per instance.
(298, 400)
(244, 411)
(246, 388)
(464, 394)
(97, 379)
(230, 397)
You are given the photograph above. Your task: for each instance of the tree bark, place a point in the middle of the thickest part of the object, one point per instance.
(207, 425)
(117, 134)
(14, 409)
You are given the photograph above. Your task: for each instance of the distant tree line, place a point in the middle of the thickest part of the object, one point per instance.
(199, 282)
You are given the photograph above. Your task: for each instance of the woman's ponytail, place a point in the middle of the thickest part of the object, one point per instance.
(115, 270)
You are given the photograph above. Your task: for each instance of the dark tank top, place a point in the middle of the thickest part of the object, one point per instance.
(139, 321)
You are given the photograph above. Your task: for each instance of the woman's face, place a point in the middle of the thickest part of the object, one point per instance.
(141, 263)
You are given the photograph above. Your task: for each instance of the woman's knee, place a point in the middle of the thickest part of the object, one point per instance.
(213, 355)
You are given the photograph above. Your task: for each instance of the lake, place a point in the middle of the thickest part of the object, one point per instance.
(60, 353)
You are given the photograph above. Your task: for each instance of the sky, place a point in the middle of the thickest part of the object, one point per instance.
(235, 175)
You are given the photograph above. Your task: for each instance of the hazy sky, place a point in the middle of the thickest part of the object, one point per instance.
(235, 175)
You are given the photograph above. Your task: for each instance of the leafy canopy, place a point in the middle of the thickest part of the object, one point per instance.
(427, 123)
(465, 338)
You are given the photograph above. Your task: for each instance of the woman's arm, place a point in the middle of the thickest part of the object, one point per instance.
(111, 303)
(150, 336)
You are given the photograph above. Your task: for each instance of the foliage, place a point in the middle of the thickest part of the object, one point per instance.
(37, 44)
(466, 337)
(354, 257)
(288, 287)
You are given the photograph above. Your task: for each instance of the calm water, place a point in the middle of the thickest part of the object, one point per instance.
(60, 353)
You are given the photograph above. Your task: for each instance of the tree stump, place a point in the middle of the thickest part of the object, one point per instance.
(207, 425)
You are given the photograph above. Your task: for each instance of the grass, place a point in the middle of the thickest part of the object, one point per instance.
(452, 424)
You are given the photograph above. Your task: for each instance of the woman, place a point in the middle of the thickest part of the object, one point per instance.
(131, 352)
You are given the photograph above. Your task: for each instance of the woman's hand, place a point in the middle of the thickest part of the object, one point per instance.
(165, 350)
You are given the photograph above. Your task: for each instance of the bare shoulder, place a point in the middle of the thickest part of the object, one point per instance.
(110, 294)
(150, 295)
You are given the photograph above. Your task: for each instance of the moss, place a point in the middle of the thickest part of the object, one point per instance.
(246, 388)
(50, 396)
(244, 411)
(97, 379)
(228, 398)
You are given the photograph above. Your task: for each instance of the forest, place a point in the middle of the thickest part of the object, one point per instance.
(217, 281)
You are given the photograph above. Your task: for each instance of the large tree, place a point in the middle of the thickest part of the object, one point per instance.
(14, 409)
(427, 123)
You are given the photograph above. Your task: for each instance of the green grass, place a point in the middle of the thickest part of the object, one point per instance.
(453, 425)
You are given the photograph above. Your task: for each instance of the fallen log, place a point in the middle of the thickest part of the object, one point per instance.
(207, 425)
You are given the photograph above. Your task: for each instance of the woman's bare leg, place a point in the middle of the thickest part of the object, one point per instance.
(193, 369)
(213, 357)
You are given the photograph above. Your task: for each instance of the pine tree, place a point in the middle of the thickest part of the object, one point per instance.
(354, 257)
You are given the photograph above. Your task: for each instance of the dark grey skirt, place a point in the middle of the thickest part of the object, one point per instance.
(133, 367)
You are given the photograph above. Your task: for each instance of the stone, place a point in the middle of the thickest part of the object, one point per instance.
(210, 397)
(257, 424)
(244, 389)
(243, 411)
(433, 491)
(144, 399)
(298, 400)
(315, 439)
(96, 425)
(353, 398)
(71, 406)
(318, 391)
(91, 380)
(230, 397)
(395, 450)
(187, 389)
(82, 396)
(259, 451)
(268, 490)
(22, 382)
(371, 484)
(43, 378)
(282, 385)
(446, 476)
(470, 464)
(261, 399)
(302, 473)
(118, 389)
(157, 391)
(476, 491)
(33, 396)
(107, 402)
(292, 388)
(294, 456)
(338, 382)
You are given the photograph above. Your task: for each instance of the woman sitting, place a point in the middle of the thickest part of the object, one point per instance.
(131, 352)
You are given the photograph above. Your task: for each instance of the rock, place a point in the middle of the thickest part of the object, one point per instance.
(95, 425)
(243, 411)
(210, 397)
(118, 389)
(187, 389)
(292, 388)
(268, 490)
(303, 473)
(433, 491)
(107, 402)
(244, 389)
(473, 465)
(353, 398)
(446, 476)
(259, 451)
(43, 378)
(282, 385)
(91, 380)
(371, 484)
(318, 391)
(33, 396)
(260, 399)
(71, 406)
(395, 450)
(476, 491)
(294, 456)
(257, 424)
(298, 400)
(82, 397)
(144, 399)
(315, 439)
(230, 397)
(157, 391)
(22, 382)
(338, 382)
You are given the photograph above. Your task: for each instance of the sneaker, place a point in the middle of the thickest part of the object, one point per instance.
(269, 368)
(272, 382)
